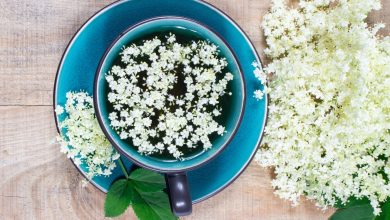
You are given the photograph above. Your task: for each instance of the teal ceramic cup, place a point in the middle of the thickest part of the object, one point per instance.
(232, 107)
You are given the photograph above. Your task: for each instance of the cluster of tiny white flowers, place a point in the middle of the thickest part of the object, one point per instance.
(146, 109)
(84, 140)
(328, 131)
(262, 77)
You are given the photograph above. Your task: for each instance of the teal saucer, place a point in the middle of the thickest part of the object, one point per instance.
(79, 63)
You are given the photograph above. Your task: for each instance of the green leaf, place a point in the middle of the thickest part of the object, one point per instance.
(385, 213)
(353, 202)
(118, 198)
(147, 181)
(356, 212)
(143, 190)
(152, 206)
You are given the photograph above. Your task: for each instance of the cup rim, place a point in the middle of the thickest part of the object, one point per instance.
(117, 145)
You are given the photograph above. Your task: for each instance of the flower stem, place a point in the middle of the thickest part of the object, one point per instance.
(123, 168)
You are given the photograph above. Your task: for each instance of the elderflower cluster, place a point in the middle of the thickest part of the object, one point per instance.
(328, 131)
(84, 141)
(262, 77)
(165, 95)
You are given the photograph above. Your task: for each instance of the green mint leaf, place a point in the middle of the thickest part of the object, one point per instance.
(152, 206)
(147, 181)
(357, 212)
(118, 198)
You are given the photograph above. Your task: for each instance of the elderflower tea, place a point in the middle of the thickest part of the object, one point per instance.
(167, 94)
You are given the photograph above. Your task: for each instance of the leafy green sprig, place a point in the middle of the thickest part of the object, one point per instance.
(141, 189)
(360, 209)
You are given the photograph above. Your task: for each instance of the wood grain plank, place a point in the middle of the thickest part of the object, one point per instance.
(38, 182)
(33, 37)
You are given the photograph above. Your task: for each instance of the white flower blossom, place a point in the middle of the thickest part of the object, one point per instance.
(262, 77)
(328, 131)
(84, 141)
(258, 94)
(153, 110)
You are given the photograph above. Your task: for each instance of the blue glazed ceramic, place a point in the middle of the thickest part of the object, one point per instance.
(80, 61)
(236, 101)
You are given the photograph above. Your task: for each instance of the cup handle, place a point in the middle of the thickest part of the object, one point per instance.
(179, 194)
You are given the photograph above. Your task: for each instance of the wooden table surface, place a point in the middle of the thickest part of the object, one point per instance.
(36, 180)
